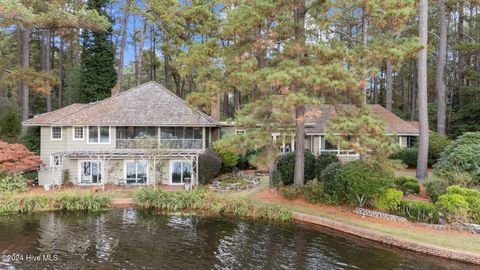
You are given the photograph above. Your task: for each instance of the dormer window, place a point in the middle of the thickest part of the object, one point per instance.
(56, 133)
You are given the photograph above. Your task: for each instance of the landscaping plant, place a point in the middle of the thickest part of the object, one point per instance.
(286, 166)
(323, 161)
(389, 200)
(12, 183)
(418, 211)
(364, 181)
(471, 196)
(209, 165)
(408, 184)
(453, 207)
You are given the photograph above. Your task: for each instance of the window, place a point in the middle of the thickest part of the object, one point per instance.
(99, 134)
(136, 171)
(56, 133)
(78, 133)
(179, 171)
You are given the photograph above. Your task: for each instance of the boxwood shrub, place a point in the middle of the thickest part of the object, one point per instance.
(209, 164)
(407, 155)
(323, 161)
(330, 185)
(408, 184)
(286, 167)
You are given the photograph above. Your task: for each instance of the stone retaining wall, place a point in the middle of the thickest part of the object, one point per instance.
(389, 240)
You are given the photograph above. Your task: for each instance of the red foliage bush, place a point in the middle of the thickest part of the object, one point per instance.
(16, 158)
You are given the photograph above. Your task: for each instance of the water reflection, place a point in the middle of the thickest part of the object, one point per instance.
(126, 238)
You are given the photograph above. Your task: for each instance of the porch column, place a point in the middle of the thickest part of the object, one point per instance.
(203, 138)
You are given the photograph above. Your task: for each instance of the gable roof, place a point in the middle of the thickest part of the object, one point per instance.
(318, 117)
(149, 104)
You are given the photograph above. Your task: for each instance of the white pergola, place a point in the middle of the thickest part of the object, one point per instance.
(57, 160)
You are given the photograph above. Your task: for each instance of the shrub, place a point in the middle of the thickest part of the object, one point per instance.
(277, 178)
(411, 188)
(12, 183)
(245, 160)
(389, 200)
(229, 158)
(10, 126)
(209, 164)
(364, 181)
(323, 161)
(31, 139)
(461, 156)
(454, 208)
(436, 188)
(16, 158)
(399, 181)
(436, 144)
(292, 192)
(407, 155)
(314, 193)
(286, 166)
(472, 197)
(330, 185)
(418, 211)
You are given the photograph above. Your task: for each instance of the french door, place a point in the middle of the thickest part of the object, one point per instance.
(90, 172)
(179, 170)
(136, 171)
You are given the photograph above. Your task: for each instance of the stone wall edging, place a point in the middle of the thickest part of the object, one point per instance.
(389, 240)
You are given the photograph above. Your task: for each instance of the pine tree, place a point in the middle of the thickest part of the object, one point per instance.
(98, 74)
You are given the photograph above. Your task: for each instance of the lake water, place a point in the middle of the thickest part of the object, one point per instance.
(132, 239)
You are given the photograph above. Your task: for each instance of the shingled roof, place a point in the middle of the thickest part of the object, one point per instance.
(149, 104)
(317, 119)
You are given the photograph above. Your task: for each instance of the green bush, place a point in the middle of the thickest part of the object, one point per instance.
(229, 158)
(314, 193)
(323, 161)
(245, 160)
(461, 156)
(454, 208)
(472, 196)
(407, 155)
(292, 192)
(85, 202)
(418, 211)
(10, 127)
(411, 188)
(436, 144)
(364, 181)
(31, 139)
(286, 166)
(209, 164)
(389, 200)
(327, 177)
(407, 184)
(436, 188)
(277, 178)
(12, 183)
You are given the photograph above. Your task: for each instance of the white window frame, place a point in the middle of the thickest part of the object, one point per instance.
(73, 133)
(135, 162)
(98, 135)
(61, 133)
(79, 179)
(170, 170)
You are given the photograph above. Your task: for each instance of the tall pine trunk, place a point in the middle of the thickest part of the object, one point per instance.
(25, 64)
(140, 52)
(422, 161)
(122, 47)
(60, 72)
(299, 20)
(48, 47)
(389, 86)
(440, 80)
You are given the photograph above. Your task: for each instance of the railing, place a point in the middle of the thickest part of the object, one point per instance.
(339, 152)
(159, 144)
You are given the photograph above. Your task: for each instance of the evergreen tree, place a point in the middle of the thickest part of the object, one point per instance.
(98, 74)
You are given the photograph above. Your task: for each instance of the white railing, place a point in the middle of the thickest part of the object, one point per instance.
(159, 144)
(339, 152)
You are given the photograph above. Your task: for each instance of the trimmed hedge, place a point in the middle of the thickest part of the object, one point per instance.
(408, 184)
(323, 161)
(407, 155)
(286, 166)
(209, 165)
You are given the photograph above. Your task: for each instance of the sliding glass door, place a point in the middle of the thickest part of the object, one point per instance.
(179, 170)
(90, 172)
(137, 171)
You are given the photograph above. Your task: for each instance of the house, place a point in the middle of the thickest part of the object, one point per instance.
(317, 119)
(145, 135)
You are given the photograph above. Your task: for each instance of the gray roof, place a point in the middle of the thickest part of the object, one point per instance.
(149, 104)
(317, 119)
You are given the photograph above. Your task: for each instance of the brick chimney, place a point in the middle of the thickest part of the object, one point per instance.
(114, 91)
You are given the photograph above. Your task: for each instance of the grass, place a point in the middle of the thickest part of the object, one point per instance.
(209, 203)
(66, 201)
